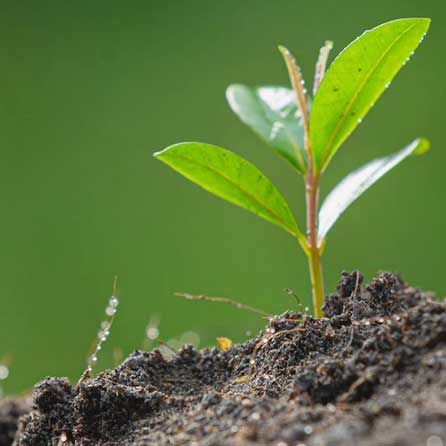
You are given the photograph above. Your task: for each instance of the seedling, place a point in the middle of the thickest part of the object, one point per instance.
(307, 132)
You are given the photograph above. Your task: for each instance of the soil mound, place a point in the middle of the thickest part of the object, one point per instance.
(373, 371)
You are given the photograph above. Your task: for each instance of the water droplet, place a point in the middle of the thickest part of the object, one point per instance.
(94, 358)
(110, 311)
(113, 302)
(359, 120)
(4, 371)
(308, 430)
(388, 85)
(152, 333)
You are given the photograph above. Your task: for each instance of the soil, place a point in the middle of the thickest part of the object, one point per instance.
(10, 412)
(373, 371)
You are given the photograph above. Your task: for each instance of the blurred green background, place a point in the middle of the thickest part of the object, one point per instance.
(91, 89)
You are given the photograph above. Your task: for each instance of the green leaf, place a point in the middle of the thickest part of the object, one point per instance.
(272, 113)
(357, 182)
(356, 79)
(232, 178)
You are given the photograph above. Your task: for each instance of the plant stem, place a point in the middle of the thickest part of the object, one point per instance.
(314, 260)
(314, 253)
(311, 178)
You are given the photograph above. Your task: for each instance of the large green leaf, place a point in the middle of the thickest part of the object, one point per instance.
(232, 178)
(356, 79)
(272, 113)
(357, 182)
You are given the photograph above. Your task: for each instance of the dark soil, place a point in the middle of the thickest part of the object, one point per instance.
(373, 371)
(10, 412)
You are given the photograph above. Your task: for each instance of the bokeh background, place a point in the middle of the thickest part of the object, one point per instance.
(90, 89)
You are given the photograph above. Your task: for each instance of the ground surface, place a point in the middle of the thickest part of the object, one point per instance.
(373, 372)
(10, 412)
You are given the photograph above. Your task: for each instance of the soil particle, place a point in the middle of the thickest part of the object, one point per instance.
(373, 371)
(10, 412)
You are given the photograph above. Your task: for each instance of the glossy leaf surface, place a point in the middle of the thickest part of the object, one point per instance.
(357, 182)
(272, 113)
(232, 178)
(356, 79)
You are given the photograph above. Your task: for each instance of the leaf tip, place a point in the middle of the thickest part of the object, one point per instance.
(284, 50)
(161, 153)
(230, 94)
(426, 21)
(423, 146)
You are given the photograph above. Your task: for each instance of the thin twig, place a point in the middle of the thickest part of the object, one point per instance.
(291, 293)
(350, 341)
(103, 334)
(321, 65)
(224, 300)
(356, 284)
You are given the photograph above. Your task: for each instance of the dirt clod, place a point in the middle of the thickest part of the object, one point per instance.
(10, 412)
(373, 371)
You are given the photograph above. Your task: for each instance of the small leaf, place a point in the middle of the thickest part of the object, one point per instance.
(321, 65)
(357, 182)
(272, 113)
(232, 178)
(298, 83)
(224, 343)
(356, 79)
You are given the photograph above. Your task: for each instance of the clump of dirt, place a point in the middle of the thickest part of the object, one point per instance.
(10, 412)
(373, 371)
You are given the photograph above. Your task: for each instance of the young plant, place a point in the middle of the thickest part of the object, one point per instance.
(307, 133)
